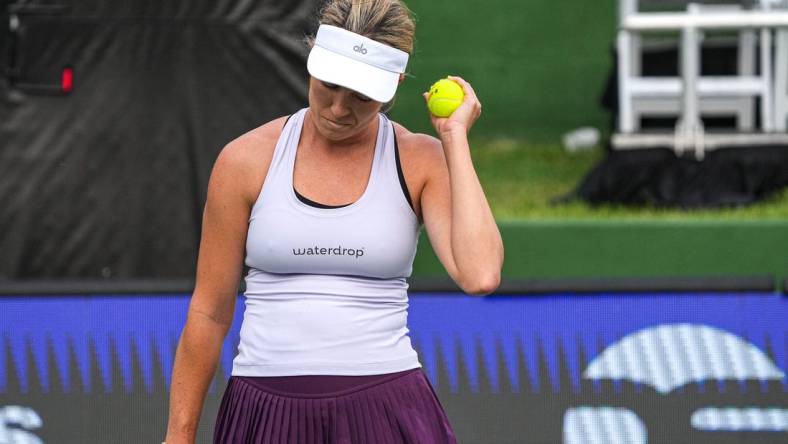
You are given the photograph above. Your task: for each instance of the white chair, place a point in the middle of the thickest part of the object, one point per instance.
(669, 104)
(781, 82)
(733, 95)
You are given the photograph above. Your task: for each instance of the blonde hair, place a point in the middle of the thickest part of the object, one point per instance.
(387, 21)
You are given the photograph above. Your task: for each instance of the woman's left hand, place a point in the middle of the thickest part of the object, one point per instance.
(463, 118)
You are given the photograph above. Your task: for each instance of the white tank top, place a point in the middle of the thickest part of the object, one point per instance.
(326, 292)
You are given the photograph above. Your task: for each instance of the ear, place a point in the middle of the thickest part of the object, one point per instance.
(401, 79)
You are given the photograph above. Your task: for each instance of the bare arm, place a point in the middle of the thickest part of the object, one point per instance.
(219, 265)
(458, 219)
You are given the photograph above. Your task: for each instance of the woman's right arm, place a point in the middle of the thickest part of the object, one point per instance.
(231, 194)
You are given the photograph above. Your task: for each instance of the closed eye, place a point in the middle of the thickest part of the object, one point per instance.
(358, 96)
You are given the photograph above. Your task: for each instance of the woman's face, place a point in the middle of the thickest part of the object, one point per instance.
(340, 113)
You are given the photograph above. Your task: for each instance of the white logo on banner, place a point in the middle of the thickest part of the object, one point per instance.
(15, 421)
(666, 357)
(749, 419)
(602, 425)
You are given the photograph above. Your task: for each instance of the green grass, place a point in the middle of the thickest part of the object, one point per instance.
(521, 178)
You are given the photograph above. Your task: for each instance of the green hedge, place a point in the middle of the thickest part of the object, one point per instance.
(630, 249)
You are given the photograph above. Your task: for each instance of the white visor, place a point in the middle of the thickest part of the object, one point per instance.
(356, 62)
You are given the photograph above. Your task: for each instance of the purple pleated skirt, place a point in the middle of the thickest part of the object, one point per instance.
(379, 409)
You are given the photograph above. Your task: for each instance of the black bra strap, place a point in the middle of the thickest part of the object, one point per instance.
(312, 203)
(401, 176)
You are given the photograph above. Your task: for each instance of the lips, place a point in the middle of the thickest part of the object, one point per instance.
(336, 124)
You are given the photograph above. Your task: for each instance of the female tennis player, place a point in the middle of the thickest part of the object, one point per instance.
(324, 206)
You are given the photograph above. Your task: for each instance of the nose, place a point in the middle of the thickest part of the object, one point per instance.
(340, 104)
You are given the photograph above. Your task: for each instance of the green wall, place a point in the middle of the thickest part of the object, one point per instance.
(538, 66)
(611, 249)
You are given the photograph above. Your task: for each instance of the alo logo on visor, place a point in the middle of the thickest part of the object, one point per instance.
(360, 48)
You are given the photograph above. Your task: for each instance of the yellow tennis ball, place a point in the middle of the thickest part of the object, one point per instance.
(445, 96)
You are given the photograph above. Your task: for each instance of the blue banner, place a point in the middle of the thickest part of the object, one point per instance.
(575, 362)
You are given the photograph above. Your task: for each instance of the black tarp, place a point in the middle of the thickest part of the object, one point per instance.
(657, 177)
(733, 176)
(109, 180)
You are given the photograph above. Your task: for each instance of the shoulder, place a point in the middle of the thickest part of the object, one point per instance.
(252, 144)
(246, 158)
(422, 147)
(421, 153)
(410, 140)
